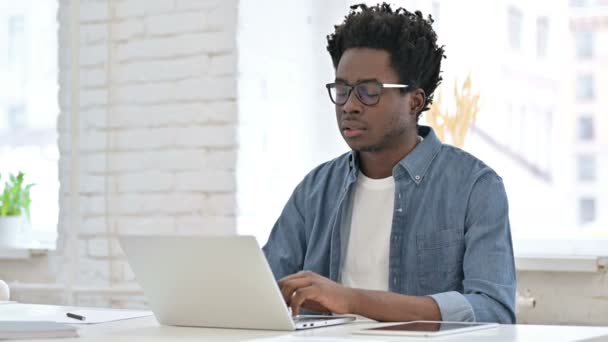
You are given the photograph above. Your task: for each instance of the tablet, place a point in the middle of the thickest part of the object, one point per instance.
(426, 328)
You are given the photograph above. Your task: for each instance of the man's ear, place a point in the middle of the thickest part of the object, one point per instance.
(417, 100)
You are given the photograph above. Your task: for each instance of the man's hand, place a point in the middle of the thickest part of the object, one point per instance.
(314, 292)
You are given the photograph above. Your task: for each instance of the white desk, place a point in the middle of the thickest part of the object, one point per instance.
(147, 329)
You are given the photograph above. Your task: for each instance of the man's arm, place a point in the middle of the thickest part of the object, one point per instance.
(489, 282)
(394, 307)
(314, 292)
(489, 267)
(286, 245)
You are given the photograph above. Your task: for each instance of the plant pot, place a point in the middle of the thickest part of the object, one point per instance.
(10, 230)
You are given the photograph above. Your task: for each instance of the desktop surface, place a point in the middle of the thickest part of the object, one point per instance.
(148, 329)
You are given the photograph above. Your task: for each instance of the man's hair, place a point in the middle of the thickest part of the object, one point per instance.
(408, 37)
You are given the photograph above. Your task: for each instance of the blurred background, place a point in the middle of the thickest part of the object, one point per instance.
(201, 116)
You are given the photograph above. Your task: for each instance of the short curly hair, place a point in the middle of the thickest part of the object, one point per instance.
(408, 37)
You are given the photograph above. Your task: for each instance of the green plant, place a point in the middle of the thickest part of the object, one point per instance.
(16, 197)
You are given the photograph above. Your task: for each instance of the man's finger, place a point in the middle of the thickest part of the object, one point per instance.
(301, 274)
(289, 287)
(302, 295)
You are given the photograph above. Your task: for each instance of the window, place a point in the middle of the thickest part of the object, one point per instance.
(586, 210)
(16, 40)
(578, 3)
(15, 116)
(526, 130)
(583, 40)
(435, 11)
(29, 108)
(515, 20)
(585, 128)
(586, 168)
(584, 87)
(542, 36)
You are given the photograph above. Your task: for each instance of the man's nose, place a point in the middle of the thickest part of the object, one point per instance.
(352, 105)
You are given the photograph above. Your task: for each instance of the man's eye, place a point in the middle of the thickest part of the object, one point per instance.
(371, 94)
(341, 91)
(368, 90)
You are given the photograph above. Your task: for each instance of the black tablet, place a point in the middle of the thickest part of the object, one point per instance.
(426, 328)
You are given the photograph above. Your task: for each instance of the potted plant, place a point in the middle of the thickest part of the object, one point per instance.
(14, 208)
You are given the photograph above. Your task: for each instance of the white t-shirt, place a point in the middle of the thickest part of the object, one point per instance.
(366, 262)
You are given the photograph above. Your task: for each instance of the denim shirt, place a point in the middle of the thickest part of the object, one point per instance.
(450, 237)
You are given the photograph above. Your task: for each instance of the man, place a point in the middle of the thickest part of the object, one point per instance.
(402, 227)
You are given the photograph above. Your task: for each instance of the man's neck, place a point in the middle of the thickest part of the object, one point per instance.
(380, 164)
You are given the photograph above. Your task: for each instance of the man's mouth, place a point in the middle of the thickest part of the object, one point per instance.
(352, 131)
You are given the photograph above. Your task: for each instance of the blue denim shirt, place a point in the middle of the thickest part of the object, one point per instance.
(450, 236)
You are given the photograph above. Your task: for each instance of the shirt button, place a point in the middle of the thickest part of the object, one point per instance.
(394, 280)
(417, 177)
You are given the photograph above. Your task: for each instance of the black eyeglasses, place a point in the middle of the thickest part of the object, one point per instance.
(368, 92)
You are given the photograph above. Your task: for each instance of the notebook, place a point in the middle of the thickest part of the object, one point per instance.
(17, 330)
(213, 281)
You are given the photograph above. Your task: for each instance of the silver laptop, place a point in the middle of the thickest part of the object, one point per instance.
(213, 281)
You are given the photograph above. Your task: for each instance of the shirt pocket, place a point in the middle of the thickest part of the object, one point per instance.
(440, 254)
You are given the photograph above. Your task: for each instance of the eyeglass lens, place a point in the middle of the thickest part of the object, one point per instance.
(367, 92)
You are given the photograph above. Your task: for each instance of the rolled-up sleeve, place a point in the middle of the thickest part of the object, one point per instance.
(454, 307)
(489, 269)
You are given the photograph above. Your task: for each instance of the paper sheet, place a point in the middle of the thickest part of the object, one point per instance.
(101, 316)
(33, 312)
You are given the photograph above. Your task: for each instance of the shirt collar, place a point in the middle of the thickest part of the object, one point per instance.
(417, 162)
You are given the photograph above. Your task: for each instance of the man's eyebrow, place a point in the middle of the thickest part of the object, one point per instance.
(341, 80)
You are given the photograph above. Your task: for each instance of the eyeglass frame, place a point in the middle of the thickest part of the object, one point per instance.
(350, 88)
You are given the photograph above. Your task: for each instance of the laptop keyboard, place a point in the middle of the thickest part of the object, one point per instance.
(307, 319)
(304, 319)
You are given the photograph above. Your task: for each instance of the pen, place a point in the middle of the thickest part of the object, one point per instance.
(75, 316)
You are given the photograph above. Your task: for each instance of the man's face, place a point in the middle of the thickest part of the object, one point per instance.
(381, 126)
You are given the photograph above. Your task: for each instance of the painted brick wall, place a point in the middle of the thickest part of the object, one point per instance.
(156, 147)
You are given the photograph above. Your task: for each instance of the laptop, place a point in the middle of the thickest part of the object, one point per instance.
(213, 281)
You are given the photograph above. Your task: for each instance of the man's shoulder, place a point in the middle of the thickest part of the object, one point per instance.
(458, 159)
(330, 171)
(338, 166)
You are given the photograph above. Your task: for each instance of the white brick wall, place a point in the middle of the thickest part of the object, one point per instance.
(158, 120)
